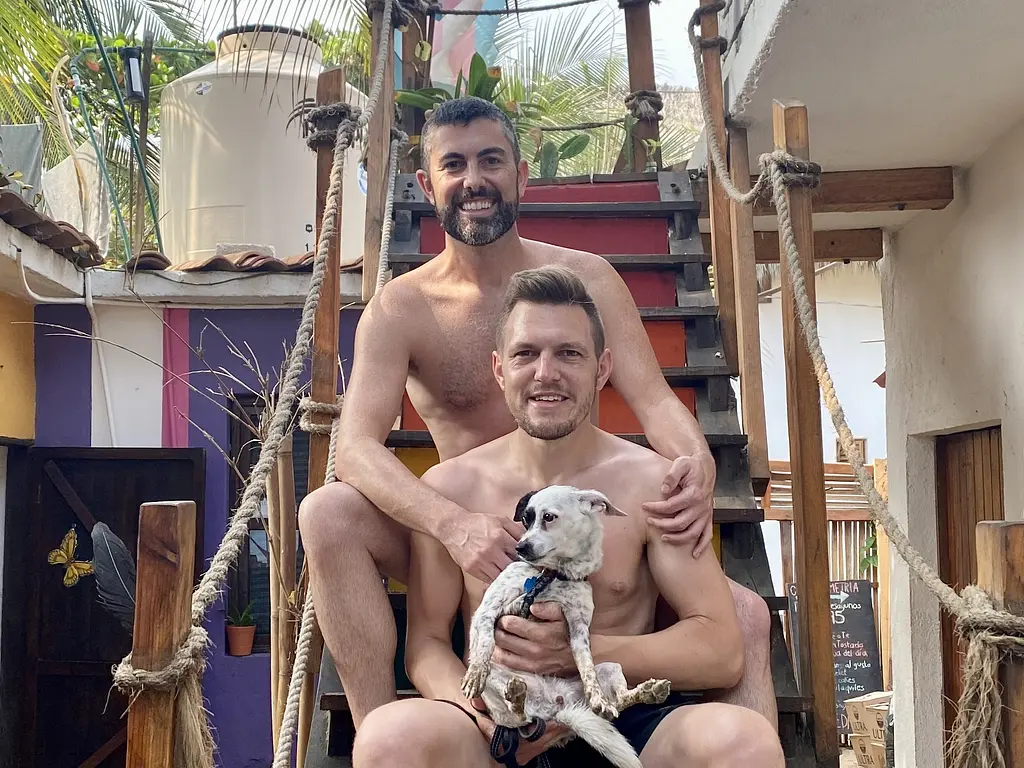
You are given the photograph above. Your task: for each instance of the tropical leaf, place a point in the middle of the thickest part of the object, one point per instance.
(573, 146)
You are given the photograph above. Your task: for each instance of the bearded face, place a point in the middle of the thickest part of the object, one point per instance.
(478, 217)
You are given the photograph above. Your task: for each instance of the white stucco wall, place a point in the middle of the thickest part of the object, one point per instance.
(849, 305)
(136, 386)
(954, 325)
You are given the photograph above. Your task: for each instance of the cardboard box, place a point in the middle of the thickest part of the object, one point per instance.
(869, 753)
(867, 713)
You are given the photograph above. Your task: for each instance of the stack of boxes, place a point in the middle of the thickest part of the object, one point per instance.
(867, 716)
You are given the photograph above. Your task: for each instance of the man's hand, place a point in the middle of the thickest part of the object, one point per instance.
(540, 647)
(527, 749)
(686, 510)
(482, 545)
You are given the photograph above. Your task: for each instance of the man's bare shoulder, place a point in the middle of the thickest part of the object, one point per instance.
(584, 263)
(637, 466)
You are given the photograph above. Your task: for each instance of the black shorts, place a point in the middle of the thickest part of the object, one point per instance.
(637, 724)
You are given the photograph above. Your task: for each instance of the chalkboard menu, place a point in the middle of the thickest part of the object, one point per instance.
(855, 654)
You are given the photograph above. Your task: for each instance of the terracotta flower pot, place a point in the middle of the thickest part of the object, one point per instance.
(240, 640)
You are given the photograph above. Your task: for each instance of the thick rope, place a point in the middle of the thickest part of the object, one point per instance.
(194, 742)
(991, 635)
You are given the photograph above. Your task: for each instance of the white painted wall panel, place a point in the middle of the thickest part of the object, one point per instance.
(136, 386)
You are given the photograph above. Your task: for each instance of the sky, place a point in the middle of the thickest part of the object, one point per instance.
(673, 57)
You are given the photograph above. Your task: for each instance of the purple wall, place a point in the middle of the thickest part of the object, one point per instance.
(237, 688)
(63, 376)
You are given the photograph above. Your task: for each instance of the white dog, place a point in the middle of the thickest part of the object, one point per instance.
(559, 550)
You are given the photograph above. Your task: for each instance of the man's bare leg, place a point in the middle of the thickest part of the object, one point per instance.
(756, 690)
(420, 733)
(713, 735)
(348, 545)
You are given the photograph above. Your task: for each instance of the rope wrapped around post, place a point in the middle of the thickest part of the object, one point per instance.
(990, 634)
(193, 739)
(645, 105)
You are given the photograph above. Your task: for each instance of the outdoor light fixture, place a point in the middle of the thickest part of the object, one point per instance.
(131, 58)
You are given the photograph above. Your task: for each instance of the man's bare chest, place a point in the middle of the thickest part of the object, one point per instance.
(452, 359)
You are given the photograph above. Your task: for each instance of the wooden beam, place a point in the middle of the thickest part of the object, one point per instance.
(1001, 574)
(378, 139)
(893, 189)
(829, 245)
(640, 60)
(163, 596)
(810, 526)
(748, 323)
(414, 76)
(330, 89)
(881, 478)
(718, 201)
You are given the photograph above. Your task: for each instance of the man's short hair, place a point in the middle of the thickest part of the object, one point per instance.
(555, 286)
(463, 111)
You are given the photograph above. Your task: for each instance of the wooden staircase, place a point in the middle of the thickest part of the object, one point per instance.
(646, 225)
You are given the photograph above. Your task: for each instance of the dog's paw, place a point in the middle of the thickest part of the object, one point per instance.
(474, 680)
(515, 695)
(657, 691)
(601, 707)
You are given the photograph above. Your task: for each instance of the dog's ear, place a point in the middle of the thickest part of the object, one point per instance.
(521, 507)
(599, 503)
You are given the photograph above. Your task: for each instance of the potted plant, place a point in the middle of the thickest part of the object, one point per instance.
(241, 630)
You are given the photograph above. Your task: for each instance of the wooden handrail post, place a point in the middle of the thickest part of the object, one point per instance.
(640, 60)
(718, 200)
(810, 526)
(414, 76)
(378, 138)
(1001, 574)
(163, 594)
(748, 322)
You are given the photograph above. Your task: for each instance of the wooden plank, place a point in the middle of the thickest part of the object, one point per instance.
(163, 593)
(70, 495)
(810, 527)
(748, 322)
(287, 530)
(640, 60)
(414, 76)
(829, 245)
(378, 140)
(1000, 556)
(881, 479)
(890, 189)
(97, 758)
(718, 201)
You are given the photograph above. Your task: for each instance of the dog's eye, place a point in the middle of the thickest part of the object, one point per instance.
(548, 517)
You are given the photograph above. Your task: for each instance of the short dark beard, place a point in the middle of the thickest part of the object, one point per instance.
(478, 232)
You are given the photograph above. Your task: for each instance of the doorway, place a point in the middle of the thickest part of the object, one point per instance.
(969, 489)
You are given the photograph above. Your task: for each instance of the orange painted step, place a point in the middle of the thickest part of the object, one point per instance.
(616, 417)
(651, 289)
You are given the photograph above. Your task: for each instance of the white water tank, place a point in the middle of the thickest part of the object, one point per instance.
(232, 170)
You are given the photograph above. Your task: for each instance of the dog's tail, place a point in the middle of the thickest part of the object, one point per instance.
(600, 734)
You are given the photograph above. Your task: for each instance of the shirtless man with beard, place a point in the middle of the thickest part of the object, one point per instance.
(551, 361)
(431, 332)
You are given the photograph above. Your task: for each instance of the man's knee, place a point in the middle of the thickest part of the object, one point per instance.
(331, 515)
(754, 617)
(720, 735)
(415, 733)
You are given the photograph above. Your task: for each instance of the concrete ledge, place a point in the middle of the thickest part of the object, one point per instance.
(215, 289)
(48, 273)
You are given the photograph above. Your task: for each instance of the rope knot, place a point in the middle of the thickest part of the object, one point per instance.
(698, 42)
(645, 105)
(324, 123)
(307, 407)
(796, 172)
(401, 15)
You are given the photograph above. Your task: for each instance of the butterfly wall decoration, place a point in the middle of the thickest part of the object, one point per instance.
(65, 555)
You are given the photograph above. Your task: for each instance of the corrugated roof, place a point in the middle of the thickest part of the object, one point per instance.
(59, 236)
(242, 261)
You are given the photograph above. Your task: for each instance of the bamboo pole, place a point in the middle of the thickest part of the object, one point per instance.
(1000, 548)
(810, 524)
(274, 558)
(286, 623)
(718, 200)
(163, 593)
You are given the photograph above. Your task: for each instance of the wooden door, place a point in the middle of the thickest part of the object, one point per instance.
(969, 489)
(72, 718)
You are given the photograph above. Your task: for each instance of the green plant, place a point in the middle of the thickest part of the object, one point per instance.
(549, 155)
(243, 619)
(869, 552)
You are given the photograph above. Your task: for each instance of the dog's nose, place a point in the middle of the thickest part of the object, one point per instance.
(523, 549)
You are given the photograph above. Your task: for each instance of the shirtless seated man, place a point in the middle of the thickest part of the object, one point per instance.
(550, 362)
(431, 332)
